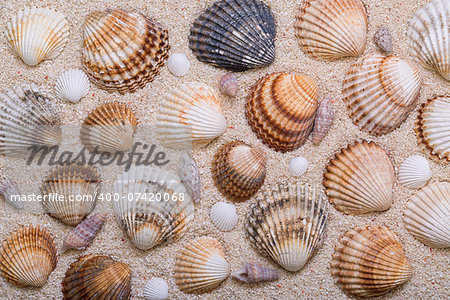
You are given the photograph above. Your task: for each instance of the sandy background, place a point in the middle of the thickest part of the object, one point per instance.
(431, 267)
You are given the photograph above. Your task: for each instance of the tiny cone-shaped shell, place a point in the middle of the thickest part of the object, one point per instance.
(156, 289)
(201, 266)
(298, 166)
(28, 256)
(109, 128)
(97, 277)
(229, 84)
(72, 85)
(332, 29)
(360, 179)
(414, 172)
(369, 261)
(427, 215)
(239, 170)
(255, 273)
(8, 190)
(323, 121)
(281, 109)
(81, 236)
(178, 64)
(380, 91)
(383, 39)
(188, 172)
(223, 215)
(36, 34)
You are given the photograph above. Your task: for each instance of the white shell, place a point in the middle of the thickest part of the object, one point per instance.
(298, 166)
(178, 64)
(223, 215)
(156, 289)
(188, 172)
(36, 34)
(72, 85)
(414, 172)
(9, 188)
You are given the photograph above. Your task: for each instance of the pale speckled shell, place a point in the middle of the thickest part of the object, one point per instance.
(81, 236)
(414, 172)
(156, 289)
(229, 84)
(178, 64)
(9, 189)
(323, 121)
(72, 85)
(298, 166)
(223, 215)
(190, 176)
(383, 39)
(250, 273)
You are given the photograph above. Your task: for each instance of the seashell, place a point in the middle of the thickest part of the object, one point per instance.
(239, 170)
(433, 128)
(72, 85)
(37, 34)
(428, 37)
(360, 179)
(123, 50)
(281, 109)
(153, 207)
(383, 39)
(235, 34)
(109, 128)
(156, 289)
(29, 120)
(223, 216)
(288, 223)
(178, 64)
(190, 116)
(298, 166)
(332, 29)
(201, 266)
(380, 92)
(9, 191)
(323, 121)
(229, 84)
(414, 172)
(188, 172)
(250, 273)
(369, 261)
(81, 236)
(95, 276)
(427, 215)
(28, 256)
(70, 192)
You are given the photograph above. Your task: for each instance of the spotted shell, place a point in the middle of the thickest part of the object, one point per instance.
(383, 39)
(81, 236)
(229, 84)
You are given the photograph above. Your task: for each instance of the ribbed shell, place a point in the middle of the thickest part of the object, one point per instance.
(72, 85)
(323, 121)
(123, 50)
(223, 215)
(288, 223)
(281, 109)
(380, 91)
(414, 172)
(156, 289)
(369, 261)
(9, 188)
(298, 166)
(235, 34)
(360, 179)
(188, 172)
(250, 273)
(81, 236)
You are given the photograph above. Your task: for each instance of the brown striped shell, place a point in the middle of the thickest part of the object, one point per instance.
(81, 236)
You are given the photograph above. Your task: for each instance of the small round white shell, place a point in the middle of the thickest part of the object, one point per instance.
(178, 64)
(414, 172)
(298, 166)
(223, 215)
(72, 85)
(156, 289)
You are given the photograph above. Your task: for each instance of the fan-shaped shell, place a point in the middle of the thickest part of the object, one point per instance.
(281, 109)
(332, 29)
(153, 206)
(235, 34)
(369, 261)
(156, 289)
(414, 172)
(81, 236)
(201, 265)
(9, 191)
(72, 85)
(427, 215)
(178, 64)
(123, 50)
(223, 215)
(37, 34)
(28, 256)
(380, 91)
(298, 166)
(360, 179)
(190, 176)
(288, 223)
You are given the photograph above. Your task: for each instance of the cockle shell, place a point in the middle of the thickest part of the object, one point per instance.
(9, 190)
(380, 91)
(427, 215)
(323, 121)
(123, 50)
(288, 223)
(97, 277)
(369, 261)
(239, 170)
(298, 166)
(188, 172)
(255, 273)
(78, 184)
(72, 85)
(414, 172)
(81, 236)
(37, 34)
(360, 179)
(229, 84)
(109, 128)
(28, 256)
(178, 64)
(281, 109)
(332, 29)
(156, 289)
(201, 266)
(190, 116)
(223, 215)
(153, 206)
(383, 39)
(235, 34)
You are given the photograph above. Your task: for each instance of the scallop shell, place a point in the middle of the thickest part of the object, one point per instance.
(332, 29)
(223, 215)
(109, 128)
(383, 39)
(380, 91)
(427, 215)
(298, 166)
(188, 172)
(72, 85)
(250, 273)
(190, 116)
(239, 170)
(79, 186)
(156, 289)
(37, 34)
(229, 84)
(123, 50)
(414, 172)
(153, 206)
(9, 191)
(235, 34)
(429, 39)
(28, 256)
(288, 224)
(323, 121)
(81, 236)
(95, 276)
(178, 64)
(360, 179)
(281, 109)
(369, 261)
(28, 118)
(201, 266)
